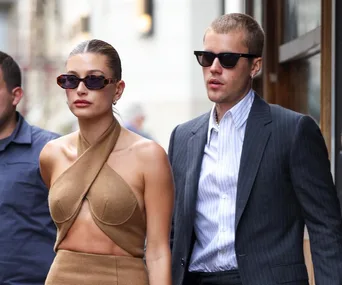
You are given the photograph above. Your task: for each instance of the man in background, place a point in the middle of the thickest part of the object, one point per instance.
(27, 232)
(134, 120)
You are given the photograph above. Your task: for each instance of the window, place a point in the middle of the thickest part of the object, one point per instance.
(300, 17)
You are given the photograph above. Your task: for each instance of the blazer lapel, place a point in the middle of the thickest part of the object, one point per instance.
(257, 134)
(195, 150)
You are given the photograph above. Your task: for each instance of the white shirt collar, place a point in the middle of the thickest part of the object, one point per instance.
(239, 113)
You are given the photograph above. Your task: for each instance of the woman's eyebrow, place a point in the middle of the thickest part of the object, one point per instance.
(88, 71)
(95, 70)
(72, 72)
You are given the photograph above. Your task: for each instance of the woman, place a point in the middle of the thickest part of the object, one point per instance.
(109, 188)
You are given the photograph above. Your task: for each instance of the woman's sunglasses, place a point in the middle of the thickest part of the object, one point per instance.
(227, 59)
(92, 82)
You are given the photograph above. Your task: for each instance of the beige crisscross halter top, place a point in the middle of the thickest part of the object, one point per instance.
(113, 205)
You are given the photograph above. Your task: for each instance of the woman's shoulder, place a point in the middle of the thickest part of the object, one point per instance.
(152, 156)
(140, 150)
(62, 145)
(144, 149)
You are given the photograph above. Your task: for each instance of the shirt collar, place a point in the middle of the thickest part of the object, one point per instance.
(22, 132)
(239, 113)
(20, 135)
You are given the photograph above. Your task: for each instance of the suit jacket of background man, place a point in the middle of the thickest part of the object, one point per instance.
(284, 182)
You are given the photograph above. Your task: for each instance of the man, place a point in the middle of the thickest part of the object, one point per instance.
(135, 118)
(248, 176)
(27, 232)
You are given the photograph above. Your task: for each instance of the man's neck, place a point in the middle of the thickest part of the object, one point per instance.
(8, 126)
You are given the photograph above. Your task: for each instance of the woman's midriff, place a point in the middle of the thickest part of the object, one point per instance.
(85, 236)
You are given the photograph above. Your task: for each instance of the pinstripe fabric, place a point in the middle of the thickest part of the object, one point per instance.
(284, 181)
(215, 209)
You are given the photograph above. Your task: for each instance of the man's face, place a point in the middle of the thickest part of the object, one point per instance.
(226, 86)
(7, 106)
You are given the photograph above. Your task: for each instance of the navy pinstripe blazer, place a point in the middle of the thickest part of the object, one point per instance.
(284, 182)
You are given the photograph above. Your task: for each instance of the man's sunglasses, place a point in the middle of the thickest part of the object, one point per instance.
(92, 82)
(227, 59)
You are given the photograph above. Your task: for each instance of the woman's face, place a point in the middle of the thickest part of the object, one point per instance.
(83, 102)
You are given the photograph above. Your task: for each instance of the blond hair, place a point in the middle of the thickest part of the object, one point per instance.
(235, 22)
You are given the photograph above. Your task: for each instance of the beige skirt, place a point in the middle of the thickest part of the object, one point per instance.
(77, 268)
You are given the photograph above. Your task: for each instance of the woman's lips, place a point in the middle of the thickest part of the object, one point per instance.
(82, 103)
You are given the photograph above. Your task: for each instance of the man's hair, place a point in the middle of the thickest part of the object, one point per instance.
(104, 48)
(10, 71)
(235, 22)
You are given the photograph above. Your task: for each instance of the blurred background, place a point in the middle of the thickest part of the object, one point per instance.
(156, 38)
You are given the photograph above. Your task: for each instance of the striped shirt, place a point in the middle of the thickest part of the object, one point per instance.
(216, 202)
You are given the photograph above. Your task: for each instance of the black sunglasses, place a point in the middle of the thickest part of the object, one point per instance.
(92, 82)
(227, 59)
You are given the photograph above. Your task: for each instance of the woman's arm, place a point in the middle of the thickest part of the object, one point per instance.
(45, 163)
(159, 199)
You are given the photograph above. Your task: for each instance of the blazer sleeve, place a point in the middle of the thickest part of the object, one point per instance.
(170, 155)
(315, 190)
(171, 144)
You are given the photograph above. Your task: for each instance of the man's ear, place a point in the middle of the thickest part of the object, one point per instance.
(17, 94)
(256, 66)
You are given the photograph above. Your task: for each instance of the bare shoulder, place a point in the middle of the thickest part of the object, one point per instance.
(53, 152)
(54, 148)
(142, 148)
(149, 151)
(49, 150)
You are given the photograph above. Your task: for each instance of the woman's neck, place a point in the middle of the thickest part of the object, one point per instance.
(92, 129)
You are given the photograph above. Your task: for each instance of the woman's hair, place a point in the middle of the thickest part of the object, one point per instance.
(254, 34)
(104, 48)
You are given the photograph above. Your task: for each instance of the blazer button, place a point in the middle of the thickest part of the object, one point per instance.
(182, 262)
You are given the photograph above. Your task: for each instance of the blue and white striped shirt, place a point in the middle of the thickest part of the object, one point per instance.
(216, 202)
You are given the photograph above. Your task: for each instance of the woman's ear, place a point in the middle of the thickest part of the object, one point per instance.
(120, 87)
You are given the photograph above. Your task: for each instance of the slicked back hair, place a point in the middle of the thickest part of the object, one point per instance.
(104, 48)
